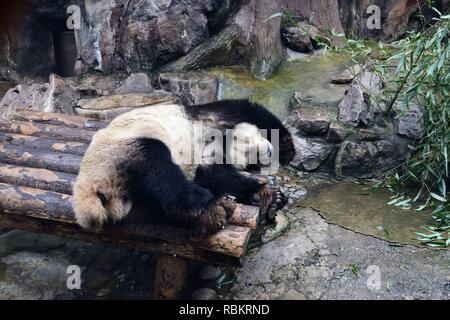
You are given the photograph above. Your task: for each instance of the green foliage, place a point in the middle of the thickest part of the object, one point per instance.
(416, 70)
(288, 19)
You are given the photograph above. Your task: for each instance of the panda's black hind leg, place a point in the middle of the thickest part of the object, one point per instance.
(156, 182)
(226, 180)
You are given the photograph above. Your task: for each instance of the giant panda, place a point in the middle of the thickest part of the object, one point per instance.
(137, 162)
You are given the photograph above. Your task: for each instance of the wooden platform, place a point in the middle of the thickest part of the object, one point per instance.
(40, 155)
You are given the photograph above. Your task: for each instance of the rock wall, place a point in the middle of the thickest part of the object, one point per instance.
(139, 35)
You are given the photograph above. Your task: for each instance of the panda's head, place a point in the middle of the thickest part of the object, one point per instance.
(248, 147)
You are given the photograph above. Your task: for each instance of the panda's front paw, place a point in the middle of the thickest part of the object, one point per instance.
(214, 217)
(269, 200)
(279, 199)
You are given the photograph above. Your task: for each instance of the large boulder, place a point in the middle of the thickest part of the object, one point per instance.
(310, 154)
(310, 118)
(354, 109)
(408, 120)
(135, 83)
(368, 159)
(117, 36)
(302, 37)
(56, 96)
(34, 276)
(192, 88)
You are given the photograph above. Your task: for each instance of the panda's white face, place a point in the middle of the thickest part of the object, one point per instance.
(248, 146)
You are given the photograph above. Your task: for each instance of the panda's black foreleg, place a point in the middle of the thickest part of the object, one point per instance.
(222, 179)
(156, 182)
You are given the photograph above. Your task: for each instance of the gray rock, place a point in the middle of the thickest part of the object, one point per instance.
(210, 273)
(354, 109)
(368, 135)
(18, 240)
(301, 192)
(281, 225)
(408, 120)
(309, 118)
(369, 82)
(302, 38)
(191, 87)
(337, 133)
(61, 98)
(346, 76)
(56, 96)
(297, 39)
(135, 83)
(204, 294)
(24, 97)
(96, 84)
(34, 276)
(141, 36)
(310, 154)
(367, 159)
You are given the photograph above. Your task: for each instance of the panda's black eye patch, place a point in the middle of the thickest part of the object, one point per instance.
(103, 198)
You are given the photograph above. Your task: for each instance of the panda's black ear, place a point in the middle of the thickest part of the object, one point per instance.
(103, 198)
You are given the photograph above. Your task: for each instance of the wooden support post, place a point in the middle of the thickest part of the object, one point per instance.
(170, 278)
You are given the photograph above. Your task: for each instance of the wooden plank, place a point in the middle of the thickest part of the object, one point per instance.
(245, 216)
(37, 178)
(77, 148)
(154, 246)
(30, 207)
(46, 131)
(60, 119)
(36, 158)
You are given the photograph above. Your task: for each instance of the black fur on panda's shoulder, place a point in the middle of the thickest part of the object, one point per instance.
(233, 112)
(237, 111)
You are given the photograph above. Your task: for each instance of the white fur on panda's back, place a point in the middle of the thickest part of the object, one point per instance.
(167, 123)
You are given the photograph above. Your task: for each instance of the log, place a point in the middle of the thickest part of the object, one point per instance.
(36, 158)
(50, 212)
(244, 215)
(154, 246)
(37, 178)
(76, 148)
(46, 130)
(170, 278)
(59, 120)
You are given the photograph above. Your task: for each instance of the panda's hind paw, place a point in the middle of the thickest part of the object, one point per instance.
(214, 217)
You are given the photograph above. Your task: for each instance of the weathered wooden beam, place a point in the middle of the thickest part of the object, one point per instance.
(36, 158)
(60, 119)
(245, 216)
(150, 245)
(170, 278)
(77, 148)
(46, 131)
(37, 178)
(45, 206)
